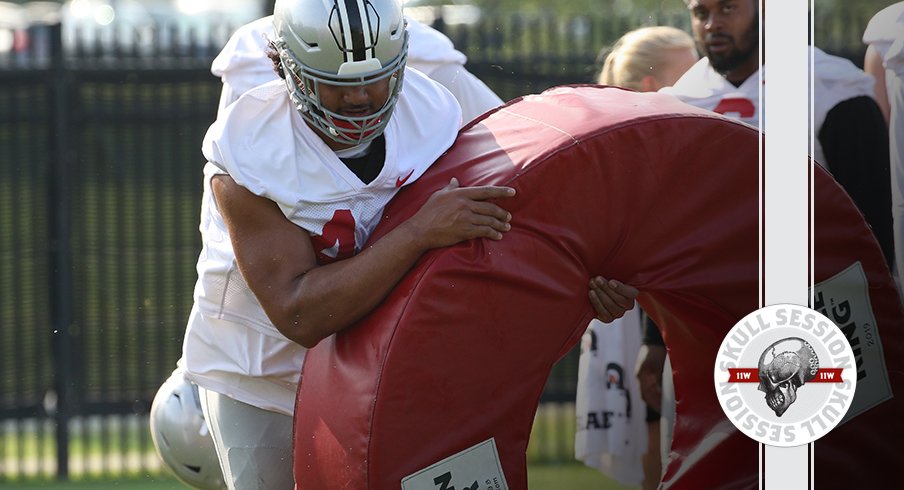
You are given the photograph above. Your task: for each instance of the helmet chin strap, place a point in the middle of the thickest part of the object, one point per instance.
(393, 80)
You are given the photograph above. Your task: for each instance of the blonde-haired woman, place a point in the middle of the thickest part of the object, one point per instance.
(648, 59)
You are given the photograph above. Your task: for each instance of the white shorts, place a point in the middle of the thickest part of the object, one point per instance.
(242, 363)
(254, 446)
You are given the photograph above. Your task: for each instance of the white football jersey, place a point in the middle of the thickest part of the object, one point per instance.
(263, 143)
(432, 53)
(885, 32)
(243, 64)
(836, 80)
(701, 86)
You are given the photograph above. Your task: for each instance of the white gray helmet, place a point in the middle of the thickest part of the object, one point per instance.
(343, 43)
(181, 436)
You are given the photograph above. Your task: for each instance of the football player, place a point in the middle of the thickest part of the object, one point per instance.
(885, 61)
(299, 170)
(851, 139)
(298, 173)
(646, 60)
(243, 64)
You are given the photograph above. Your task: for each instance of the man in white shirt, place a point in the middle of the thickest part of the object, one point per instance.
(885, 60)
(850, 140)
(299, 170)
(242, 65)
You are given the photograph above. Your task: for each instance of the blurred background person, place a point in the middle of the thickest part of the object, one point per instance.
(884, 60)
(646, 60)
(851, 141)
(242, 65)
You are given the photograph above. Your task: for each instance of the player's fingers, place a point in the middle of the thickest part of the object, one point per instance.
(483, 192)
(624, 290)
(609, 305)
(598, 284)
(619, 294)
(450, 186)
(490, 209)
(494, 223)
(602, 313)
(486, 232)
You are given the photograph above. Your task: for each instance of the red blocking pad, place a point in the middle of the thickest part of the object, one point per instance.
(442, 381)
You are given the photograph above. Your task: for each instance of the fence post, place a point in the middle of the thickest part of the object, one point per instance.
(60, 244)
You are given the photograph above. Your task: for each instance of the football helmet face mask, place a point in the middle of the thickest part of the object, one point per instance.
(344, 43)
(181, 436)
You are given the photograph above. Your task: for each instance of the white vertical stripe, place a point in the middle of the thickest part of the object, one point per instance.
(365, 27)
(346, 29)
(786, 251)
(761, 117)
(759, 473)
(761, 449)
(786, 171)
(811, 132)
(811, 231)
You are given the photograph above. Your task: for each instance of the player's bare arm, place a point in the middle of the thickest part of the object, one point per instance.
(611, 299)
(650, 362)
(872, 64)
(307, 302)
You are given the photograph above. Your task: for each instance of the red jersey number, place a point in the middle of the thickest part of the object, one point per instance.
(337, 242)
(729, 106)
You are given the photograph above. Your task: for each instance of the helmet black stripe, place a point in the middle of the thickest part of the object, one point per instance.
(356, 26)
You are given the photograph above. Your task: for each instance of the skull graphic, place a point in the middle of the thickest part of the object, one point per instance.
(784, 367)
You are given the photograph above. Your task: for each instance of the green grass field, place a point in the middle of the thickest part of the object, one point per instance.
(116, 452)
(540, 477)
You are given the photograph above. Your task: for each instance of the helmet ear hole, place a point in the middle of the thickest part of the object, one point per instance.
(181, 436)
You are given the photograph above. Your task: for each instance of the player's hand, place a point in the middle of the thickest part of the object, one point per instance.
(611, 299)
(650, 361)
(454, 214)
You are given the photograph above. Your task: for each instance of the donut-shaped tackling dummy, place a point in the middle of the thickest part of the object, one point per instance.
(638, 187)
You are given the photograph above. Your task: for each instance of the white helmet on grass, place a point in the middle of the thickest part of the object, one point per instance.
(181, 436)
(341, 43)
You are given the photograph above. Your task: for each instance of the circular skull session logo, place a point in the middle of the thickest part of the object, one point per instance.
(785, 375)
